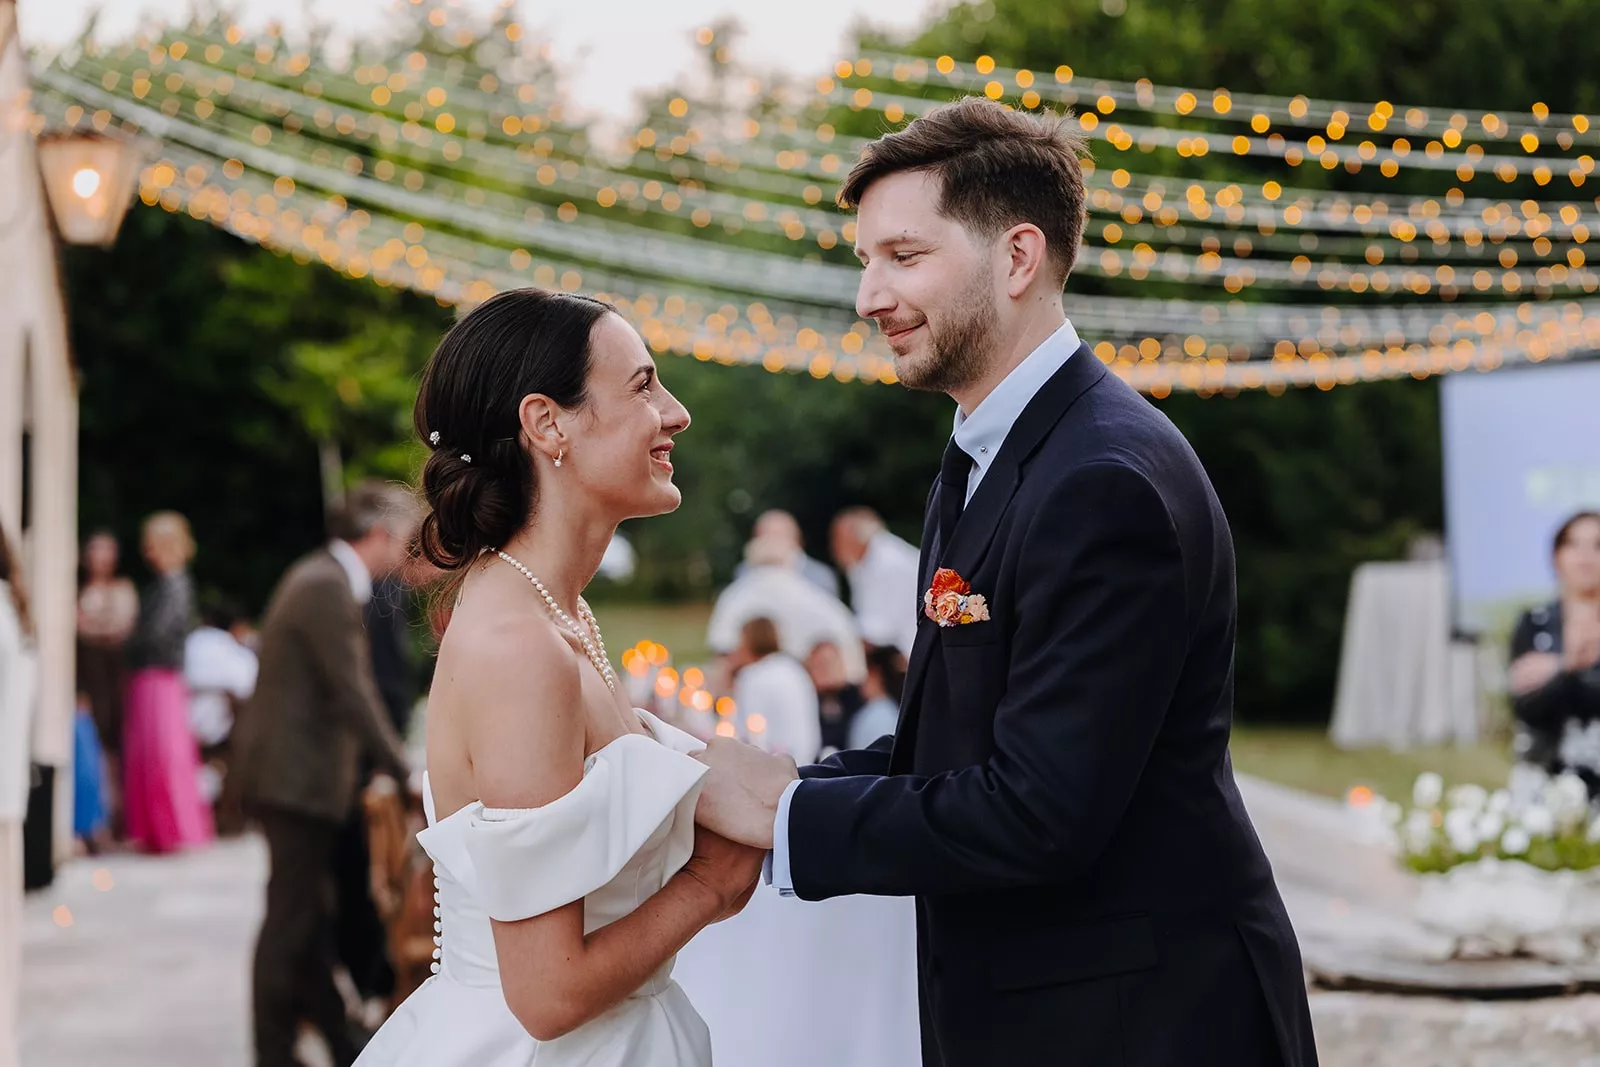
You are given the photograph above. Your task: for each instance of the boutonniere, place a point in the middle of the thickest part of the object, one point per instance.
(951, 601)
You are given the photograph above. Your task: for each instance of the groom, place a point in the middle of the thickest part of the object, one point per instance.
(1058, 794)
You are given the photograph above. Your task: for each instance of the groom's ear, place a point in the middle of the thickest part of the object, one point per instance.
(538, 414)
(1027, 255)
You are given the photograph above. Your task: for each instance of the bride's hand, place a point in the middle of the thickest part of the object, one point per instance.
(740, 796)
(728, 869)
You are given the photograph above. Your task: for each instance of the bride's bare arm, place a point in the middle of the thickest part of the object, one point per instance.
(526, 738)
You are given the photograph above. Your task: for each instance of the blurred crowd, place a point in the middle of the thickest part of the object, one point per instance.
(822, 676)
(192, 723)
(160, 683)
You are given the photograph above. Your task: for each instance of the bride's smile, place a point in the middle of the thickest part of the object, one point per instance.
(663, 456)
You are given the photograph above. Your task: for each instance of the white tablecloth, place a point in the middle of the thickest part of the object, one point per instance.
(1402, 680)
(787, 983)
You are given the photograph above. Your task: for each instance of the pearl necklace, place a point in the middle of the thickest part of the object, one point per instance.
(597, 655)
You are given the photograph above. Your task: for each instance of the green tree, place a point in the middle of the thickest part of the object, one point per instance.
(206, 381)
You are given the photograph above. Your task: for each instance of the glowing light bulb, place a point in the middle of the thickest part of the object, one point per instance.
(85, 182)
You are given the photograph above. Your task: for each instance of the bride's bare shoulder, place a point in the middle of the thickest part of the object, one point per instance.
(509, 691)
(495, 649)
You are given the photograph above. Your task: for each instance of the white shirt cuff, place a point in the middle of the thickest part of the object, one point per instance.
(776, 868)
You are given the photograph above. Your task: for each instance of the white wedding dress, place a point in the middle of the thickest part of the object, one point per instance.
(613, 841)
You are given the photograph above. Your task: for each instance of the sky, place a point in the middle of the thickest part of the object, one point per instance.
(611, 48)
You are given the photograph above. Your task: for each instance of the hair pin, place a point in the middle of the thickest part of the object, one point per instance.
(433, 438)
(465, 458)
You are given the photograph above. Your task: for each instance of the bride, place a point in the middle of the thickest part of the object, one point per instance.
(569, 869)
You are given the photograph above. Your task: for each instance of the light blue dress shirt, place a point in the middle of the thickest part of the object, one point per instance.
(980, 436)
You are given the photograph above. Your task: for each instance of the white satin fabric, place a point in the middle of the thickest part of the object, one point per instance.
(613, 841)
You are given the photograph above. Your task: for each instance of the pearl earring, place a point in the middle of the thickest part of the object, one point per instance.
(563, 452)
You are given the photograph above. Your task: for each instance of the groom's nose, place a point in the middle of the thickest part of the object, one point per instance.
(873, 299)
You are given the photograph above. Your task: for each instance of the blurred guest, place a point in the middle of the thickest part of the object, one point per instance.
(883, 578)
(838, 698)
(886, 679)
(1555, 661)
(16, 731)
(108, 607)
(387, 617)
(363, 939)
(163, 808)
(773, 685)
(782, 528)
(805, 616)
(88, 781)
(315, 713)
(221, 674)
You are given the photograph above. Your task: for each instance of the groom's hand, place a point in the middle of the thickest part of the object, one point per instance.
(740, 797)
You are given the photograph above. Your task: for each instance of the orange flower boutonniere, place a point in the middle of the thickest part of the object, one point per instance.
(951, 601)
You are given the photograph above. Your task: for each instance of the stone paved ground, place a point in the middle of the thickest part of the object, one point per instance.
(1369, 1030)
(153, 968)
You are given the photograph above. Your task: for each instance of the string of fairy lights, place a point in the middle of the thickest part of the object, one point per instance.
(466, 260)
(1195, 199)
(1261, 111)
(445, 199)
(1097, 99)
(457, 270)
(391, 264)
(458, 175)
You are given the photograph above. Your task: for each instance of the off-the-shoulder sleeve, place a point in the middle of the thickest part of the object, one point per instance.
(528, 861)
(669, 735)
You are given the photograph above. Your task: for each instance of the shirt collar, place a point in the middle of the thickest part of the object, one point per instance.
(981, 434)
(355, 570)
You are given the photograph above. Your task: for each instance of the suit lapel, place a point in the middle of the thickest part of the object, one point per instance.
(968, 543)
(981, 519)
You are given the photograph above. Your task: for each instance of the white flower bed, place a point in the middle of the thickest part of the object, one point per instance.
(1507, 872)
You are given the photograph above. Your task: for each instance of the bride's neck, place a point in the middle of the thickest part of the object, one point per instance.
(563, 551)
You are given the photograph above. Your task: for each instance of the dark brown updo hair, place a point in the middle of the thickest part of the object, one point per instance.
(518, 342)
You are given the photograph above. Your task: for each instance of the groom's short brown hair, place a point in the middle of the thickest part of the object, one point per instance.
(997, 168)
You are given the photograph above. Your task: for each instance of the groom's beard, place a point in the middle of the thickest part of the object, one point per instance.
(958, 350)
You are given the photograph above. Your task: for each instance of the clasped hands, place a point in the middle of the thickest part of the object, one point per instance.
(734, 818)
(739, 798)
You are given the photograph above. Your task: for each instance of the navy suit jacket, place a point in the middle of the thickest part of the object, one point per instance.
(1058, 794)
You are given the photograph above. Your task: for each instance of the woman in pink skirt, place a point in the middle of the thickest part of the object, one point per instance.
(163, 807)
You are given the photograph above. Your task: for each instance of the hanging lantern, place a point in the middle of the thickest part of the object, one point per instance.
(90, 179)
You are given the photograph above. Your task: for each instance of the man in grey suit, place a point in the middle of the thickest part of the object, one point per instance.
(315, 713)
